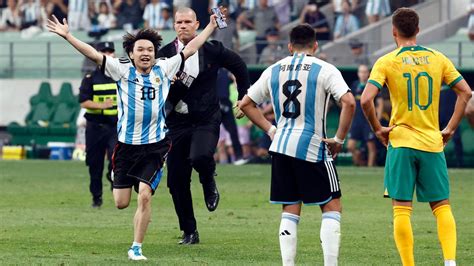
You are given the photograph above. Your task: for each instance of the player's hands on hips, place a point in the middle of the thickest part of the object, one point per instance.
(382, 134)
(333, 146)
(58, 28)
(239, 114)
(447, 134)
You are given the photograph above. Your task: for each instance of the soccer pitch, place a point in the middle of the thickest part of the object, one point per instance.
(46, 218)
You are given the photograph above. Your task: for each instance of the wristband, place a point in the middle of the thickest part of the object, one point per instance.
(271, 130)
(338, 140)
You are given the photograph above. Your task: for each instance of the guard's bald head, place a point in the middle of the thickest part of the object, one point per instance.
(185, 24)
(186, 11)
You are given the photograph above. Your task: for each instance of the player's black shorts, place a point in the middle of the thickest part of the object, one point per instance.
(133, 164)
(295, 181)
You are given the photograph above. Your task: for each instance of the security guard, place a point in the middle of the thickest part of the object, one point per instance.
(98, 95)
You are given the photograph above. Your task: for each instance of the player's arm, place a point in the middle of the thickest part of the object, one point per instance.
(199, 40)
(379, 107)
(348, 106)
(368, 107)
(63, 30)
(249, 107)
(258, 93)
(463, 92)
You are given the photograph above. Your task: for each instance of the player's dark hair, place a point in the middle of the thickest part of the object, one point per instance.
(143, 34)
(302, 36)
(405, 20)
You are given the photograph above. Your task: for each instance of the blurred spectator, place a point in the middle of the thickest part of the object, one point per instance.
(129, 14)
(259, 19)
(250, 4)
(360, 129)
(237, 7)
(106, 19)
(316, 19)
(10, 18)
(59, 9)
(377, 9)
(358, 54)
(228, 36)
(275, 50)
(30, 14)
(181, 3)
(322, 56)
(78, 15)
(166, 21)
(337, 7)
(283, 9)
(152, 14)
(470, 23)
(202, 9)
(447, 101)
(346, 22)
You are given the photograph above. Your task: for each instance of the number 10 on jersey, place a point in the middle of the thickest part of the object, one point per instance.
(420, 82)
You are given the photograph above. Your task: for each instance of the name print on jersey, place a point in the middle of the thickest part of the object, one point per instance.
(291, 67)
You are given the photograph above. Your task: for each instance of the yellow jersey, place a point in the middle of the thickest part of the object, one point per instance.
(414, 76)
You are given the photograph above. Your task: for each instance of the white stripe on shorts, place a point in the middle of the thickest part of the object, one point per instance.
(332, 177)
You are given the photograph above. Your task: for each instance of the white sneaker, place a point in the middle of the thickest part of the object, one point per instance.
(135, 253)
(241, 161)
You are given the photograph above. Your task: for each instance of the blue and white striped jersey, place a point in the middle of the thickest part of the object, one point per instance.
(78, 6)
(141, 98)
(152, 14)
(299, 87)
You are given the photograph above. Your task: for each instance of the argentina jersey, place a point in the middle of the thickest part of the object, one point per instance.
(299, 88)
(141, 98)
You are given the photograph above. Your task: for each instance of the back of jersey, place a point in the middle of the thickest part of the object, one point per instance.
(299, 87)
(414, 76)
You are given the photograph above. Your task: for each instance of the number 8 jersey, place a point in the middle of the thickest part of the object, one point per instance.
(299, 87)
(141, 98)
(414, 76)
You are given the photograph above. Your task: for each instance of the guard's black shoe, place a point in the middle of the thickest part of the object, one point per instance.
(96, 202)
(189, 239)
(211, 195)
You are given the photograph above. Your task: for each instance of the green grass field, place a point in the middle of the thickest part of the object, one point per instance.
(46, 218)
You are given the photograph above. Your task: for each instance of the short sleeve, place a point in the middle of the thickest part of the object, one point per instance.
(377, 75)
(85, 91)
(171, 65)
(451, 75)
(336, 85)
(259, 92)
(114, 68)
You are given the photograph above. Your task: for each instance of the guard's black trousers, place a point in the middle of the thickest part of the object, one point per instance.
(193, 146)
(100, 140)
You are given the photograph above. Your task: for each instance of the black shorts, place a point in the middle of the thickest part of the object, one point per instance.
(295, 181)
(360, 130)
(133, 164)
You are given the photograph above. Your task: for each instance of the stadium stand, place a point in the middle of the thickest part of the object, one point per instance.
(51, 118)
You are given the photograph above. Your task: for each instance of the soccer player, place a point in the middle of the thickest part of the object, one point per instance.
(299, 87)
(415, 159)
(143, 85)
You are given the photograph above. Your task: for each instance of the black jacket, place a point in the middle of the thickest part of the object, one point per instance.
(201, 97)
